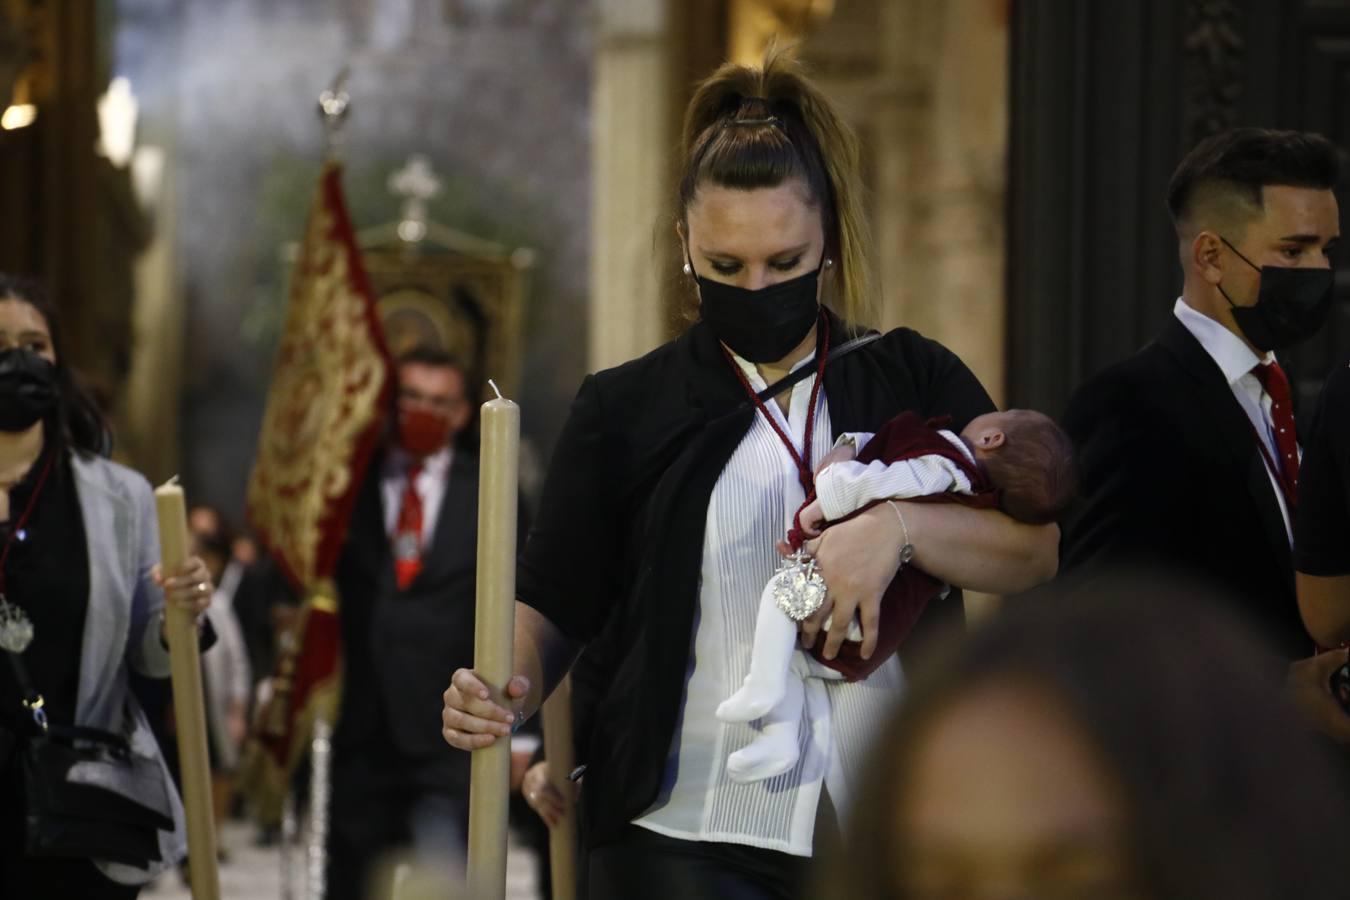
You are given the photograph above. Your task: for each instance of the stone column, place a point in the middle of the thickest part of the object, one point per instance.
(151, 414)
(631, 144)
(895, 128)
(964, 236)
(925, 82)
(752, 24)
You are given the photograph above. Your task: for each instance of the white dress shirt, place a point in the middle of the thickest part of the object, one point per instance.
(430, 487)
(1235, 359)
(750, 510)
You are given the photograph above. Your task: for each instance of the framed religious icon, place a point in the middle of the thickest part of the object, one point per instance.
(441, 287)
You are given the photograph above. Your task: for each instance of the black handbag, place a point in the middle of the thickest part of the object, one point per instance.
(86, 794)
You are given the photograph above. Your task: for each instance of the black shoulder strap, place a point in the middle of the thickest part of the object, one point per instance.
(805, 372)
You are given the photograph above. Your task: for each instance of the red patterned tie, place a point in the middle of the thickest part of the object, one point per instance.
(408, 532)
(1276, 385)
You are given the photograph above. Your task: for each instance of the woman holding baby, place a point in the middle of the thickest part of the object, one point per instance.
(673, 483)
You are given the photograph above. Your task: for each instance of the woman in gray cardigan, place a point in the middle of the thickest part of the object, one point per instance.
(78, 551)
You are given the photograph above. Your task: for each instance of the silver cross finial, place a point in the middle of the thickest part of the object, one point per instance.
(416, 183)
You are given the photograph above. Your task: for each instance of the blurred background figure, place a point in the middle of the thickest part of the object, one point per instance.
(227, 677)
(407, 581)
(1081, 745)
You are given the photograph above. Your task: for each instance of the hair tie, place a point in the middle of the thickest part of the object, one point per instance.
(766, 118)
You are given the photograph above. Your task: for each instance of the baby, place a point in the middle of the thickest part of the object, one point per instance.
(1017, 461)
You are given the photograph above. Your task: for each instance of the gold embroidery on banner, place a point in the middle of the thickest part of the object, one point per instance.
(325, 393)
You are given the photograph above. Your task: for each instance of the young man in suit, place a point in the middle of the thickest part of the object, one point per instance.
(1188, 449)
(406, 583)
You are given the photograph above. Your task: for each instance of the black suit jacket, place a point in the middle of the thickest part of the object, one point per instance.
(400, 648)
(1174, 483)
(621, 525)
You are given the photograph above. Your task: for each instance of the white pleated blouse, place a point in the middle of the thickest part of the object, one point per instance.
(750, 510)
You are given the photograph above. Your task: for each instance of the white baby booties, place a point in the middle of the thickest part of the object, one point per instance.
(772, 691)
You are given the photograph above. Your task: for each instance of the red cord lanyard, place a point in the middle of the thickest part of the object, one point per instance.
(23, 519)
(803, 459)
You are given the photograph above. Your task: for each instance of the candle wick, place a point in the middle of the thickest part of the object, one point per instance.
(495, 390)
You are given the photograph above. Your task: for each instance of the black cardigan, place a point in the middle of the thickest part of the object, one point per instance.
(621, 523)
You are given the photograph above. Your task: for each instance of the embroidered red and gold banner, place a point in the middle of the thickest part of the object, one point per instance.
(325, 410)
(327, 401)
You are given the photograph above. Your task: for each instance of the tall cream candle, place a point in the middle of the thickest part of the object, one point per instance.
(494, 632)
(189, 708)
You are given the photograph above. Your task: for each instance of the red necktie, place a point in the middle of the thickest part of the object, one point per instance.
(408, 532)
(1276, 384)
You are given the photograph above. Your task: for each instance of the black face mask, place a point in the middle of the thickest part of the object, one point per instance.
(764, 325)
(1292, 306)
(27, 389)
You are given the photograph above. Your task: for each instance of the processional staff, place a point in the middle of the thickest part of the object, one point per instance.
(334, 105)
(558, 750)
(189, 709)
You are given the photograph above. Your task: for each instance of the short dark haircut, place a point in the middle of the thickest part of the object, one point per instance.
(429, 355)
(1226, 172)
(439, 358)
(77, 420)
(1226, 792)
(1035, 469)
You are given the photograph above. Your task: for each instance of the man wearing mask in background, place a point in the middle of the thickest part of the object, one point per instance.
(1188, 449)
(406, 583)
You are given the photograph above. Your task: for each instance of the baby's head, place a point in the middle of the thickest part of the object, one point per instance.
(1029, 459)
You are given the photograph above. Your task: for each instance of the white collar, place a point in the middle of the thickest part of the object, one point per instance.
(752, 371)
(1233, 357)
(960, 444)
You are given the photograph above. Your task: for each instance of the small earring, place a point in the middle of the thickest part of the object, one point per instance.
(828, 262)
(688, 269)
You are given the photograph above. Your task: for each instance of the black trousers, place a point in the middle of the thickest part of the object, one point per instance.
(655, 867)
(384, 806)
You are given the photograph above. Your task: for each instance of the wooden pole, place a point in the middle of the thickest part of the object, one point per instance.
(562, 838)
(494, 633)
(188, 706)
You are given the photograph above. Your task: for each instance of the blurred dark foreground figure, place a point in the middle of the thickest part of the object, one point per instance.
(1087, 745)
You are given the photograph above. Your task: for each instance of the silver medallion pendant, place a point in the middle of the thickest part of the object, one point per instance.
(16, 629)
(798, 589)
